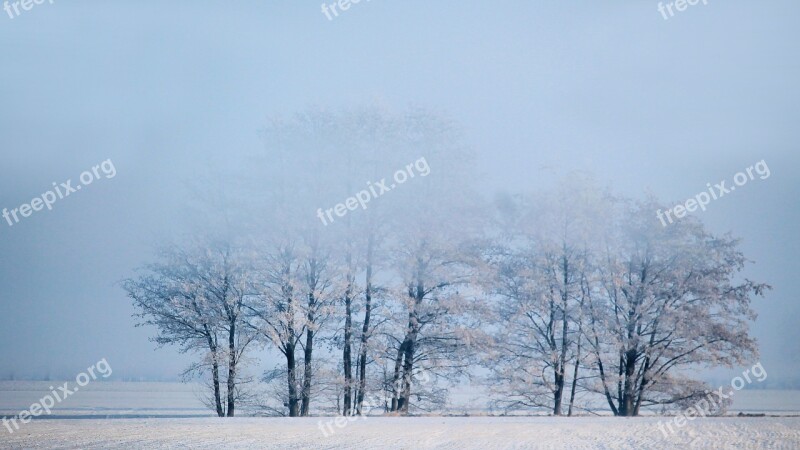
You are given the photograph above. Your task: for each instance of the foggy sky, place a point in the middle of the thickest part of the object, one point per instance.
(167, 90)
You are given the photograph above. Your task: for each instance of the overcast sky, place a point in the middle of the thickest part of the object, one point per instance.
(169, 89)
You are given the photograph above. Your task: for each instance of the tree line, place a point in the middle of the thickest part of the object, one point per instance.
(551, 299)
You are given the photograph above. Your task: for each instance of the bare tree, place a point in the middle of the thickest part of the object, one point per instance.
(668, 299)
(320, 289)
(538, 268)
(194, 298)
(276, 313)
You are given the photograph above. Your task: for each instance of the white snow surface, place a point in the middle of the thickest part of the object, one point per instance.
(406, 433)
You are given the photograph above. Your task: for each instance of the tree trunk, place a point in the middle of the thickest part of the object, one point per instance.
(559, 392)
(408, 369)
(578, 350)
(409, 344)
(602, 373)
(575, 375)
(212, 346)
(362, 359)
(396, 378)
(215, 377)
(561, 366)
(308, 349)
(307, 372)
(307, 354)
(626, 409)
(231, 368)
(642, 386)
(417, 293)
(347, 359)
(291, 366)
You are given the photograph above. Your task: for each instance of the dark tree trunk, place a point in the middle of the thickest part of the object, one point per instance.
(307, 354)
(575, 375)
(362, 358)
(410, 345)
(231, 368)
(291, 363)
(398, 364)
(602, 373)
(643, 384)
(559, 392)
(408, 370)
(212, 346)
(578, 349)
(289, 345)
(626, 408)
(347, 359)
(408, 348)
(215, 377)
(308, 349)
(561, 366)
(304, 409)
(291, 367)
(600, 368)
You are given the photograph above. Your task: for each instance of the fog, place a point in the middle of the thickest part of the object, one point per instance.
(541, 91)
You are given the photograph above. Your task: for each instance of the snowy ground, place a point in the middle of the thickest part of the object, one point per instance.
(109, 398)
(407, 433)
(177, 400)
(169, 415)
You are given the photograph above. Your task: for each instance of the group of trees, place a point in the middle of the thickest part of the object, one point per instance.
(560, 296)
(592, 296)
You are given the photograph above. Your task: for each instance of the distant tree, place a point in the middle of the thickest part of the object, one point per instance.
(539, 272)
(668, 299)
(432, 262)
(194, 297)
(319, 158)
(583, 279)
(320, 289)
(276, 311)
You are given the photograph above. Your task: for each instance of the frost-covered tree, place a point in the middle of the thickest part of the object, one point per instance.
(668, 299)
(538, 274)
(320, 289)
(560, 295)
(434, 221)
(276, 311)
(194, 297)
(584, 281)
(320, 158)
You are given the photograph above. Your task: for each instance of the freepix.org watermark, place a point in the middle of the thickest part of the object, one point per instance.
(680, 6)
(26, 5)
(44, 405)
(719, 190)
(59, 192)
(343, 5)
(713, 399)
(374, 190)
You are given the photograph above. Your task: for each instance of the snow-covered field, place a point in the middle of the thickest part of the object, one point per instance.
(180, 400)
(109, 398)
(407, 433)
(169, 415)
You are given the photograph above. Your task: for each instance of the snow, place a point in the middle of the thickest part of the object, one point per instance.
(147, 399)
(406, 432)
(106, 398)
(79, 422)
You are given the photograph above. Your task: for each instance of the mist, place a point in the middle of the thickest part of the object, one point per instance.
(178, 96)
